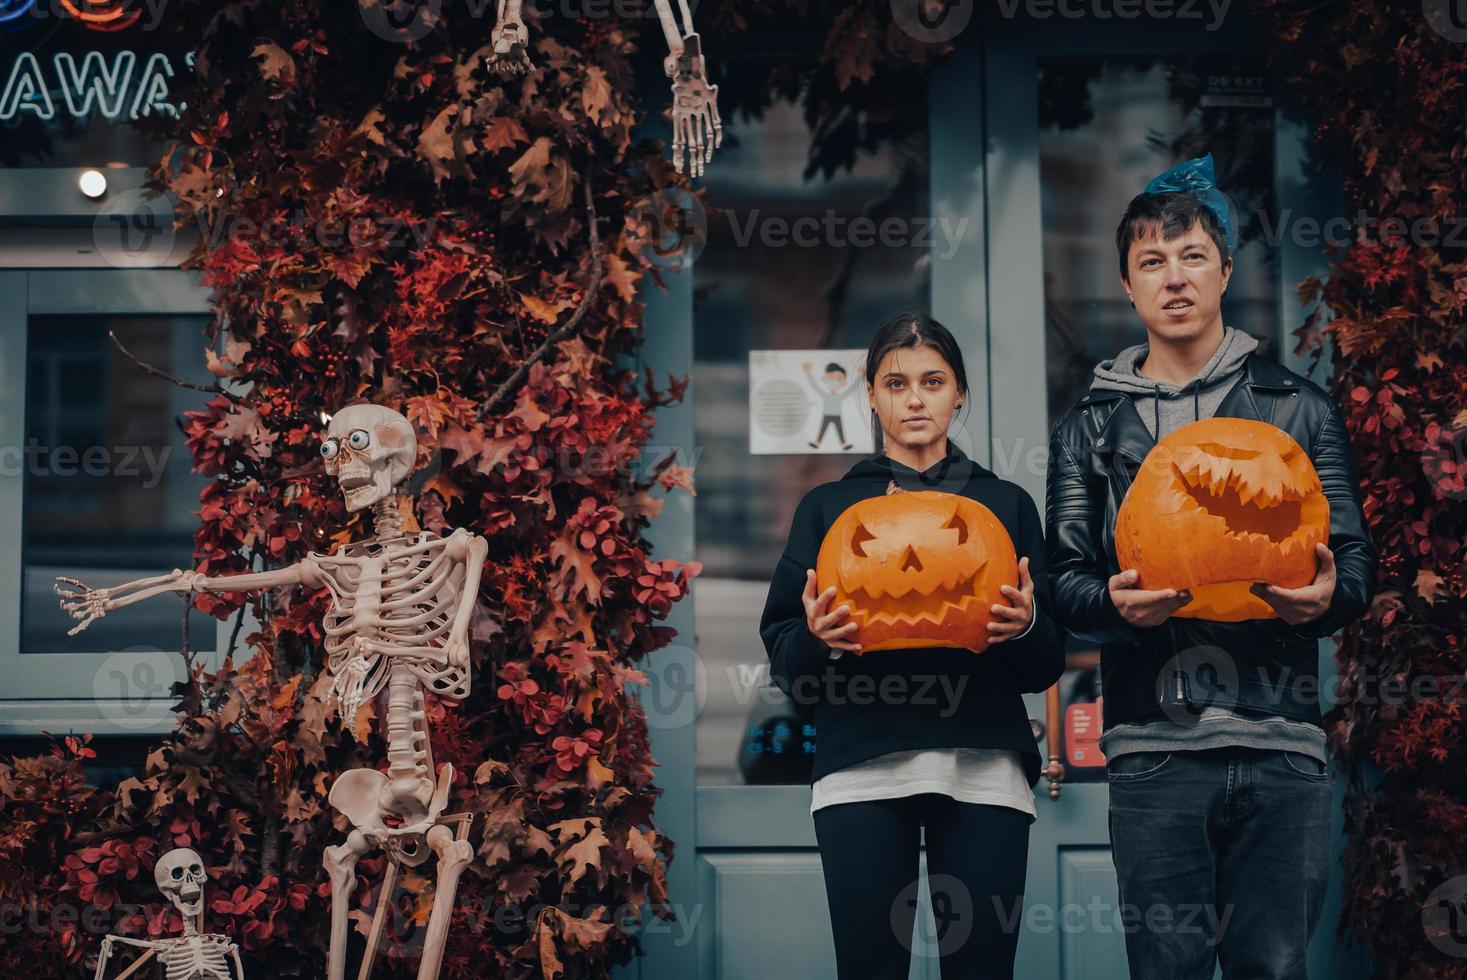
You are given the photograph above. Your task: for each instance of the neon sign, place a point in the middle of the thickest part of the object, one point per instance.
(101, 84)
(96, 15)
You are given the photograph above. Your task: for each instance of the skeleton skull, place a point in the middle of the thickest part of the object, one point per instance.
(370, 450)
(180, 875)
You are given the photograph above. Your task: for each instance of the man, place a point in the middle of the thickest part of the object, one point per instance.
(1219, 796)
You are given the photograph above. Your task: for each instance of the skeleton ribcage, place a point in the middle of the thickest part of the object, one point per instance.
(404, 601)
(196, 958)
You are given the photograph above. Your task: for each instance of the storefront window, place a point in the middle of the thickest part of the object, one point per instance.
(761, 284)
(110, 494)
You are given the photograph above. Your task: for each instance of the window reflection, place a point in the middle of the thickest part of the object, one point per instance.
(759, 287)
(1107, 127)
(109, 491)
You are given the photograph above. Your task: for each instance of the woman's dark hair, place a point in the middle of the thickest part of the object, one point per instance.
(1174, 213)
(906, 330)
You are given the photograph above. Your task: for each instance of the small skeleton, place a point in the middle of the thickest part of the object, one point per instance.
(398, 621)
(181, 875)
(697, 129)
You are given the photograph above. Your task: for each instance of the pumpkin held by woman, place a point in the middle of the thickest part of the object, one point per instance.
(918, 569)
(1218, 505)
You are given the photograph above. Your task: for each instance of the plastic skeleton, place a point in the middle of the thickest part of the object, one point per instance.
(697, 129)
(398, 621)
(181, 876)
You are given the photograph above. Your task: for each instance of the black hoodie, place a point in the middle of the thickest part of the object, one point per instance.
(935, 697)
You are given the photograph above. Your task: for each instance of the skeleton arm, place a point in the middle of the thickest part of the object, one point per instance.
(696, 125)
(106, 954)
(458, 637)
(88, 604)
(238, 966)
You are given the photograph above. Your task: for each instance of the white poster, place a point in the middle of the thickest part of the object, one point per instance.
(808, 401)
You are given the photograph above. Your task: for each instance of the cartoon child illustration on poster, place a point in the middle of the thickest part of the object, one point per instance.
(832, 389)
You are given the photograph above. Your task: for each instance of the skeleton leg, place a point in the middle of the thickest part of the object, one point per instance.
(454, 854)
(341, 864)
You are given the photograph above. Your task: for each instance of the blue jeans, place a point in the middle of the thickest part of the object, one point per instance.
(1222, 855)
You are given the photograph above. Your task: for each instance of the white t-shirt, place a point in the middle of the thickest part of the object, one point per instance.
(968, 775)
(990, 776)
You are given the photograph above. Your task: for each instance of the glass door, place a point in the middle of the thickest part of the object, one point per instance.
(96, 484)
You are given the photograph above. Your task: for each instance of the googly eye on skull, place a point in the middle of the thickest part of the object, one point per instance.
(359, 439)
(329, 449)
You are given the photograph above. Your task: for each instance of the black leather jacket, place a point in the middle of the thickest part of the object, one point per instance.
(1256, 667)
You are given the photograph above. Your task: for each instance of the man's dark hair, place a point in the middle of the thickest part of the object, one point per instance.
(1174, 213)
(832, 366)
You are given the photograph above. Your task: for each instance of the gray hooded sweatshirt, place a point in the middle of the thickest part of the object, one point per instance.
(1162, 405)
(1165, 407)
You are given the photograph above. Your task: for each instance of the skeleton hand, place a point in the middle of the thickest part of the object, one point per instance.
(696, 125)
(457, 649)
(89, 605)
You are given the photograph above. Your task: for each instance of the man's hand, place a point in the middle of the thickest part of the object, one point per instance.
(1299, 606)
(829, 628)
(1010, 621)
(1144, 607)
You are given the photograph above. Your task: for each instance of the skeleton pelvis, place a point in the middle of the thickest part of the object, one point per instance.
(368, 798)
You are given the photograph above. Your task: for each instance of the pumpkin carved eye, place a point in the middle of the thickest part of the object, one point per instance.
(961, 526)
(859, 538)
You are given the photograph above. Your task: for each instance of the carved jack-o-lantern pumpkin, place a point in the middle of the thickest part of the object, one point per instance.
(1218, 505)
(918, 569)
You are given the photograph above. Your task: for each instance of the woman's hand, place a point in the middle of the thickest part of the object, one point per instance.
(1011, 621)
(831, 627)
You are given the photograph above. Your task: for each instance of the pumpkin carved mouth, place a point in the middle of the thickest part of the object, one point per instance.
(1245, 511)
(934, 606)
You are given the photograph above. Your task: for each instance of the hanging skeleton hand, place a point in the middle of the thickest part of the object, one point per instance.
(511, 42)
(89, 605)
(697, 129)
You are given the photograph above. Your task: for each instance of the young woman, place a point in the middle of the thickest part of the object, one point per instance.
(932, 740)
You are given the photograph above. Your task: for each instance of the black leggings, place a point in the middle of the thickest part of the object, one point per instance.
(976, 858)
